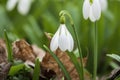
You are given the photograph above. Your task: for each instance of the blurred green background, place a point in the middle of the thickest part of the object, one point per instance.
(44, 17)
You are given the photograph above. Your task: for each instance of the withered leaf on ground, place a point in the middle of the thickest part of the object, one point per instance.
(39, 53)
(22, 50)
(50, 64)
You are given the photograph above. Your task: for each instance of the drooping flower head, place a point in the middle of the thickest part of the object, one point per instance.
(62, 39)
(91, 10)
(23, 5)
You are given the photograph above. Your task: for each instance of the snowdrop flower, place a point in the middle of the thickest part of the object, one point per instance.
(62, 39)
(91, 10)
(103, 4)
(11, 4)
(23, 5)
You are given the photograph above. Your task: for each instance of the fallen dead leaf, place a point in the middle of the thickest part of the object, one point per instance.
(23, 51)
(50, 64)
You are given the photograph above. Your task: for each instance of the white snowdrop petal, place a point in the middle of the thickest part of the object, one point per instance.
(86, 9)
(11, 4)
(24, 6)
(103, 4)
(63, 43)
(92, 18)
(96, 9)
(54, 41)
(71, 42)
(62, 39)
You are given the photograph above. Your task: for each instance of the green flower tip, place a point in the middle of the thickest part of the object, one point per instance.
(62, 15)
(91, 1)
(62, 19)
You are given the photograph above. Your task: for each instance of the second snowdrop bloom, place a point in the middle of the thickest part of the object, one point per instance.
(62, 39)
(103, 4)
(91, 10)
(23, 5)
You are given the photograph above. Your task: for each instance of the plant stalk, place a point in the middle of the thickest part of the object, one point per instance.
(9, 49)
(95, 52)
(80, 52)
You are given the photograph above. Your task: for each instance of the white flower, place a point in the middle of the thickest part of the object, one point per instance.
(103, 4)
(62, 39)
(91, 10)
(11, 4)
(23, 5)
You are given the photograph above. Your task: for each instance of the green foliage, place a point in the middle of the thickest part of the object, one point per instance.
(9, 48)
(19, 72)
(15, 69)
(36, 70)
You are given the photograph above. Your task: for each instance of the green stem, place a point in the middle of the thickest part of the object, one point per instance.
(9, 49)
(80, 53)
(95, 52)
(36, 72)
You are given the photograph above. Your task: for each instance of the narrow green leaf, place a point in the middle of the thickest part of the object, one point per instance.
(59, 63)
(114, 65)
(74, 59)
(14, 69)
(36, 70)
(9, 49)
(114, 56)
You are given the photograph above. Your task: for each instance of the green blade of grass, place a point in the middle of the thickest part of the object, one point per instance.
(114, 56)
(74, 59)
(36, 70)
(15, 69)
(9, 49)
(59, 63)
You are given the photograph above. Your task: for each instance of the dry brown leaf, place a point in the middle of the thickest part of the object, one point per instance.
(22, 50)
(40, 53)
(50, 64)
